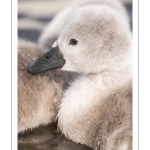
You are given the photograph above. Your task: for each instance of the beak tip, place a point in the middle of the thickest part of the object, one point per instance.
(28, 70)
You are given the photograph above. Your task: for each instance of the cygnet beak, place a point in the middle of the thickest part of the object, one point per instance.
(52, 59)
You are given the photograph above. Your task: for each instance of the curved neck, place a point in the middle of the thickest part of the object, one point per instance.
(109, 81)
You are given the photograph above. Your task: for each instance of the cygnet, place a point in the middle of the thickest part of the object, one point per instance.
(96, 109)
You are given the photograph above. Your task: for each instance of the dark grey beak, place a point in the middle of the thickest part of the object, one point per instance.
(52, 59)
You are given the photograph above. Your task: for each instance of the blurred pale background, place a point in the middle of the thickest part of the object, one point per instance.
(33, 15)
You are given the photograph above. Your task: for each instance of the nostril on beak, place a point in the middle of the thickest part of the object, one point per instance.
(46, 57)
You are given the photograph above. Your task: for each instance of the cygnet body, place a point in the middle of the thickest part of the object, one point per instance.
(39, 94)
(96, 109)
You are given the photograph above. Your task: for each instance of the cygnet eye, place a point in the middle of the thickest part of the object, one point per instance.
(73, 42)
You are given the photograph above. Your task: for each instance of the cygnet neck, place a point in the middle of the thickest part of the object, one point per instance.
(108, 81)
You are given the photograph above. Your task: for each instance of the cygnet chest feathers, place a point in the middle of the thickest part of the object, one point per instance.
(91, 116)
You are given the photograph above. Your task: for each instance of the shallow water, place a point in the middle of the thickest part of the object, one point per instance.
(47, 138)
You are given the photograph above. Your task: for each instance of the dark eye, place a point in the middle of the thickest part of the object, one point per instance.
(73, 42)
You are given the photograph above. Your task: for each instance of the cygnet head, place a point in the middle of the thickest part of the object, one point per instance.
(94, 38)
